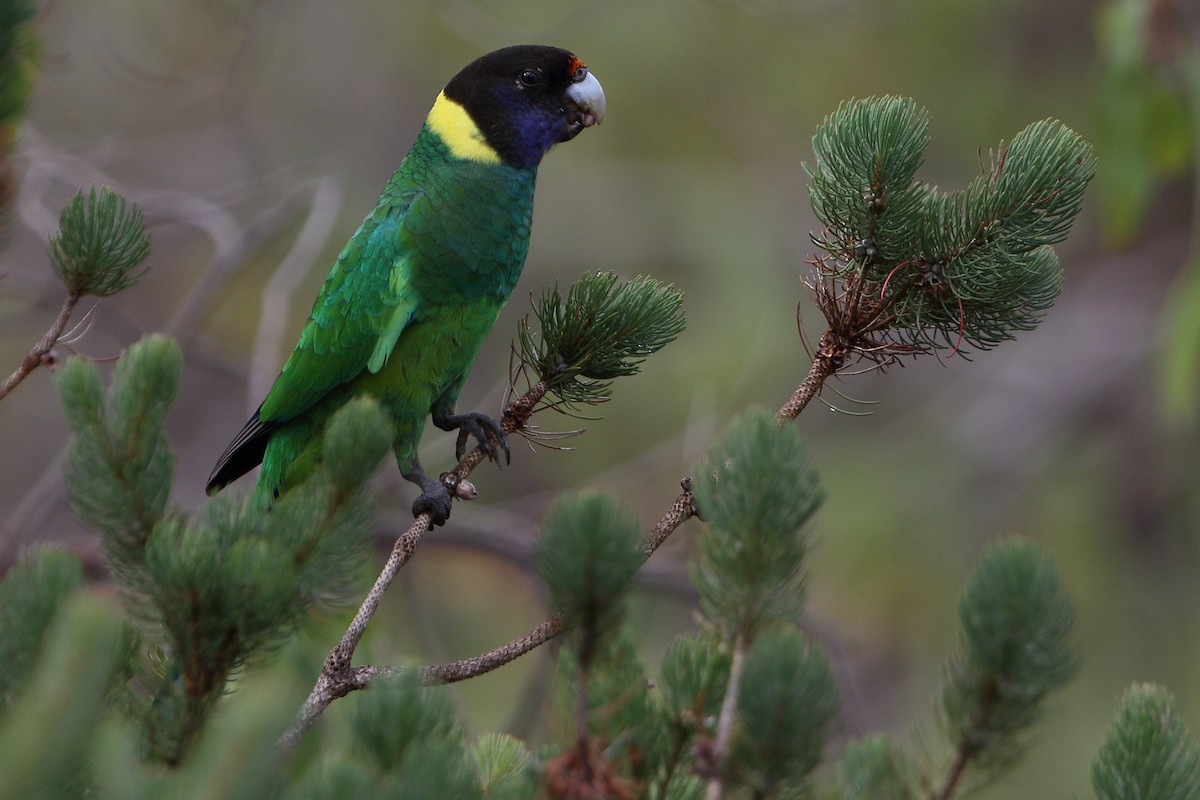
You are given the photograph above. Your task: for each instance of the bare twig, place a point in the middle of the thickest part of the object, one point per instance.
(829, 358)
(43, 347)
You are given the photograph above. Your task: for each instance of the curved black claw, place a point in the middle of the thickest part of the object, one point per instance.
(434, 497)
(479, 425)
(435, 500)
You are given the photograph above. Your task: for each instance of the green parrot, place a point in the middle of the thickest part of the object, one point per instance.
(411, 297)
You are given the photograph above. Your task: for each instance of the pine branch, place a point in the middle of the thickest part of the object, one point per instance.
(99, 242)
(40, 351)
(683, 509)
(908, 270)
(1014, 627)
(828, 359)
(1148, 751)
(875, 768)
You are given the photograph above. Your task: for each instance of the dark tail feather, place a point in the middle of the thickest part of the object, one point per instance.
(244, 453)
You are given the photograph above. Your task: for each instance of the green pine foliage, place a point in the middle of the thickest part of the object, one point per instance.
(506, 767)
(1014, 649)
(874, 768)
(1148, 751)
(100, 241)
(392, 727)
(692, 679)
(119, 464)
(755, 492)
(216, 589)
(867, 154)
(910, 268)
(787, 701)
(46, 734)
(601, 331)
(587, 554)
(31, 595)
(693, 676)
(18, 48)
(18, 56)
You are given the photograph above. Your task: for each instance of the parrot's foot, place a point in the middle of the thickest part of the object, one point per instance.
(479, 425)
(434, 498)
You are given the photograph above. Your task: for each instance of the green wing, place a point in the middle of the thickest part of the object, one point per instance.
(365, 304)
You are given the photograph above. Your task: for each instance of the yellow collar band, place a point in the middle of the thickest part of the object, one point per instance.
(450, 121)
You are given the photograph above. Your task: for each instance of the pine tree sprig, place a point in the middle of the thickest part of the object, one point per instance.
(756, 491)
(31, 595)
(47, 734)
(907, 269)
(587, 554)
(100, 240)
(402, 713)
(875, 768)
(19, 46)
(505, 766)
(229, 585)
(1014, 649)
(119, 463)
(1148, 751)
(862, 187)
(98, 244)
(18, 50)
(787, 700)
(693, 676)
(601, 331)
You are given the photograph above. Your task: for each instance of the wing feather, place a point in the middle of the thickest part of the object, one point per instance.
(362, 309)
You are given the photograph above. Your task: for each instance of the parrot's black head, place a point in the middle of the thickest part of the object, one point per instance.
(525, 99)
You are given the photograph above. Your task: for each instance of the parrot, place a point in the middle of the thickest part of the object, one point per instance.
(413, 294)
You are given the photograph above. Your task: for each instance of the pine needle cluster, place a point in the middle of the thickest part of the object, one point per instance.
(600, 331)
(18, 49)
(1014, 649)
(18, 56)
(1148, 751)
(99, 243)
(100, 240)
(910, 269)
(756, 492)
(32, 593)
(875, 768)
(216, 589)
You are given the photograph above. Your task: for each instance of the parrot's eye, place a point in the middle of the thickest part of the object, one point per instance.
(531, 77)
(579, 74)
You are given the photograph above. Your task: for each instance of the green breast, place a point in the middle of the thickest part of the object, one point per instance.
(467, 225)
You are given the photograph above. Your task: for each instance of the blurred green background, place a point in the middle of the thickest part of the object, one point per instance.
(255, 136)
